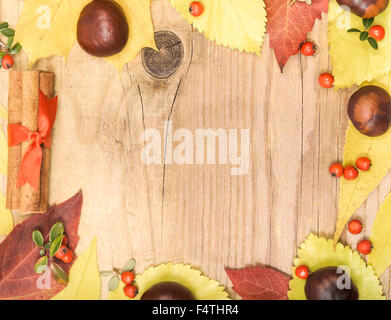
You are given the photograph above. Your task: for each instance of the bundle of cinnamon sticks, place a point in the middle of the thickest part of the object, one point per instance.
(23, 108)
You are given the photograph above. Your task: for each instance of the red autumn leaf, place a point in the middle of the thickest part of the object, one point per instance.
(259, 283)
(18, 253)
(288, 25)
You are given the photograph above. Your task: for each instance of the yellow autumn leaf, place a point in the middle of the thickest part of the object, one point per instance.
(201, 286)
(49, 27)
(84, 278)
(6, 220)
(3, 113)
(317, 253)
(353, 193)
(355, 61)
(380, 257)
(238, 24)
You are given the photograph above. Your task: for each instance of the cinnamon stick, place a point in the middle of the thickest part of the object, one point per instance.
(24, 108)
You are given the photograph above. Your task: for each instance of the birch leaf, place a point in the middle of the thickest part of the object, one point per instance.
(238, 24)
(49, 27)
(352, 194)
(355, 61)
(84, 278)
(380, 257)
(6, 220)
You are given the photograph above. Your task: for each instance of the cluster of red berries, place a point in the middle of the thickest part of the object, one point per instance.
(196, 8)
(364, 247)
(350, 172)
(130, 289)
(308, 48)
(64, 253)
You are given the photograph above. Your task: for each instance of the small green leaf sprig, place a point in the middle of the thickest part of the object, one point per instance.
(116, 274)
(48, 251)
(9, 47)
(364, 35)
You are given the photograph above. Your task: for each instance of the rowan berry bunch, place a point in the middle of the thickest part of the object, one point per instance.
(8, 49)
(372, 34)
(55, 248)
(126, 275)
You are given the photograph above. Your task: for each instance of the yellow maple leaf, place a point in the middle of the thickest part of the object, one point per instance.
(353, 193)
(238, 24)
(355, 61)
(317, 253)
(201, 286)
(380, 257)
(84, 277)
(49, 27)
(6, 220)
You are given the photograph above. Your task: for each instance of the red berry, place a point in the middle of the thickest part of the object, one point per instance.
(68, 257)
(326, 80)
(364, 247)
(336, 170)
(127, 277)
(377, 32)
(130, 291)
(350, 173)
(355, 226)
(7, 62)
(65, 241)
(62, 252)
(308, 48)
(302, 272)
(196, 8)
(363, 163)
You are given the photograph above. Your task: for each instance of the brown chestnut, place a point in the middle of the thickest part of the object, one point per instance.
(369, 109)
(102, 29)
(365, 8)
(329, 284)
(168, 290)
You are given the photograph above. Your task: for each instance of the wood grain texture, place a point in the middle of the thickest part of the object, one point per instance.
(199, 214)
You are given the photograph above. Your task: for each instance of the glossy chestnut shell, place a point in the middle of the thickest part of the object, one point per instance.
(102, 29)
(369, 109)
(168, 290)
(323, 285)
(365, 8)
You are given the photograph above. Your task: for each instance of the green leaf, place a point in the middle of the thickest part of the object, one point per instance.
(3, 25)
(113, 283)
(42, 252)
(373, 43)
(2, 54)
(367, 22)
(354, 30)
(16, 48)
(129, 266)
(56, 231)
(38, 238)
(7, 32)
(59, 274)
(41, 265)
(9, 42)
(106, 273)
(47, 246)
(56, 244)
(364, 35)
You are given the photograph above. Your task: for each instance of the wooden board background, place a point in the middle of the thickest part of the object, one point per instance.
(198, 214)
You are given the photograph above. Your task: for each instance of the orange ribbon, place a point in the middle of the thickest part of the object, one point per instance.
(30, 167)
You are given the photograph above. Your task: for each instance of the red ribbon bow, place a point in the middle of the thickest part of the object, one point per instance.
(30, 168)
